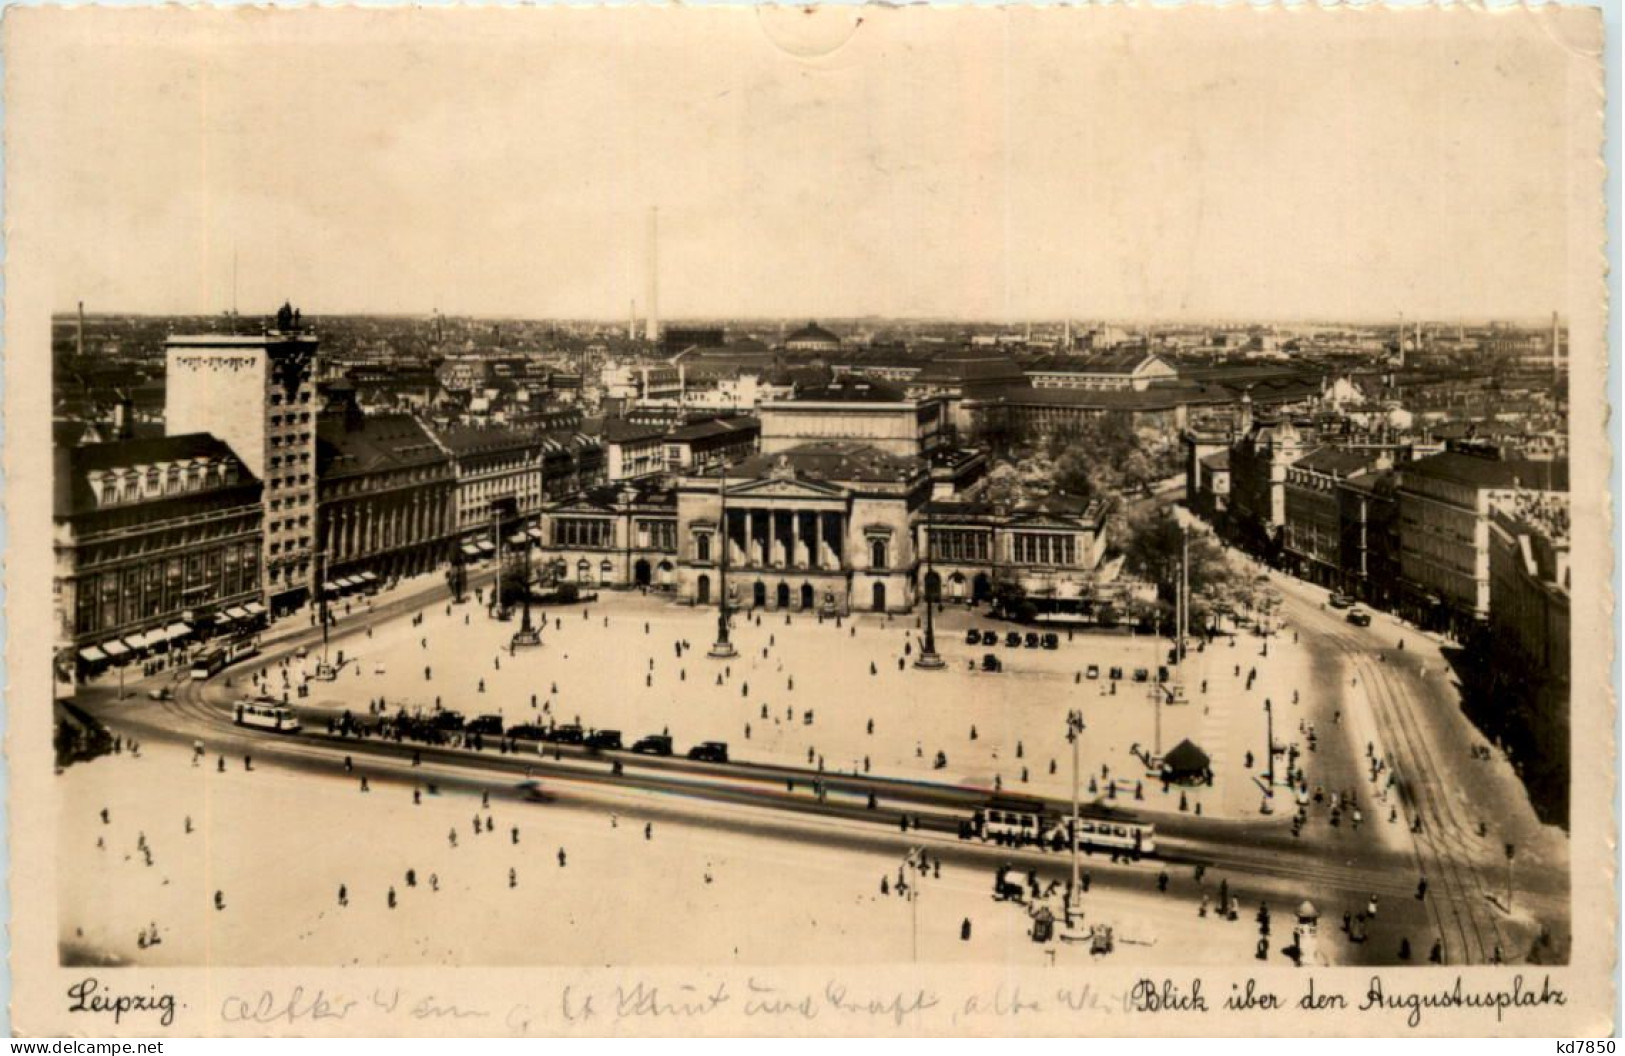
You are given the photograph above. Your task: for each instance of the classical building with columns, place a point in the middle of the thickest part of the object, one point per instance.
(822, 525)
(387, 497)
(622, 534)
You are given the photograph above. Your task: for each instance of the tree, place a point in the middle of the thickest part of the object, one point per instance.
(1153, 550)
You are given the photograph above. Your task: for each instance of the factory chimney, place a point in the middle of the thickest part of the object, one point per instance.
(79, 334)
(652, 331)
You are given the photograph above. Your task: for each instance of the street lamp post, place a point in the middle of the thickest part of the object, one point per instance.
(928, 660)
(1074, 734)
(723, 649)
(527, 633)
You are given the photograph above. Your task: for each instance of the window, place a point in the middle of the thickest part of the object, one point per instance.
(702, 548)
(877, 554)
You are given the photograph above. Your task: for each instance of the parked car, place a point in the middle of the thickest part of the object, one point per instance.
(161, 694)
(709, 752)
(487, 726)
(1142, 675)
(1116, 674)
(447, 720)
(1162, 674)
(569, 734)
(527, 731)
(1359, 617)
(654, 744)
(1052, 640)
(1092, 672)
(604, 740)
(990, 637)
(1032, 639)
(991, 662)
(973, 637)
(1013, 640)
(1340, 600)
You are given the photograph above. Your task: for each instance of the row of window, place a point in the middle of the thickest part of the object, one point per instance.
(163, 587)
(277, 419)
(276, 398)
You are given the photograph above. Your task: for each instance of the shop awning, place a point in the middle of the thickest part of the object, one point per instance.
(516, 539)
(486, 545)
(471, 549)
(534, 533)
(92, 654)
(237, 612)
(254, 608)
(222, 620)
(115, 648)
(330, 587)
(370, 577)
(147, 640)
(177, 630)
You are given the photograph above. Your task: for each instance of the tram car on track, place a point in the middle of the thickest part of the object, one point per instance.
(265, 715)
(1024, 821)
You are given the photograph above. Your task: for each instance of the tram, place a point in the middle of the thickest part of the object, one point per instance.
(1026, 821)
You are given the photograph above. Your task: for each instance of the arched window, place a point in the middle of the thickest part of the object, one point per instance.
(877, 554)
(583, 571)
(606, 573)
(702, 548)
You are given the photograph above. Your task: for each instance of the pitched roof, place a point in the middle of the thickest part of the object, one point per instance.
(72, 466)
(372, 444)
(716, 427)
(1336, 461)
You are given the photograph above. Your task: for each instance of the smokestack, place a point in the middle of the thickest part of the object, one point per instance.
(79, 335)
(652, 332)
(1556, 364)
(632, 321)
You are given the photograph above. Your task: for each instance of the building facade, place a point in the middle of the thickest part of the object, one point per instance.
(1368, 520)
(388, 499)
(621, 534)
(854, 409)
(1259, 463)
(1312, 537)
(258, 394)
(494, 466)
(1529, 577)
(825, 526)
(1444, 517)
(154, 541)
(1052, 549)
(700, 447)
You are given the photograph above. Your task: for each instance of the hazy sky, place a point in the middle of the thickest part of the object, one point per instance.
(976, 163)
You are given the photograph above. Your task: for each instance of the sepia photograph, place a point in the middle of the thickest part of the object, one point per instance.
(811, 521)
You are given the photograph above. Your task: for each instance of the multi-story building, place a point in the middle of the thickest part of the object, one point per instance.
(154, 541)
(855, 409)
(823, 525)
(1529, 577)
(621, 534)
(388, 498)
(258, 395)
(1312, 537)
(812, 340)
(1259, 462)
(1051, 548)
(1368, 522)
(630, 450)
(571, 461)
(1444, 526)
(699, 447)
(494, 466)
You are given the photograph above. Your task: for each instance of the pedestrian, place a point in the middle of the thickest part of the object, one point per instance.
(344, 895)
(392, 896)
(964, 930)
(513, 879)
(411, 878)
(648, 830)
(220, 901)
(515, 834)
(1436, 955)
(561, 858)
(364, 786)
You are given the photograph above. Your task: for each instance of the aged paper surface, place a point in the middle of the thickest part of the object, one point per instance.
(1038, 226)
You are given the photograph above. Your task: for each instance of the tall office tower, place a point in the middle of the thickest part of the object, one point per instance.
(258, 394)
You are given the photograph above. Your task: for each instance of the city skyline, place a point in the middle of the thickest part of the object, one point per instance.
(1108, 175)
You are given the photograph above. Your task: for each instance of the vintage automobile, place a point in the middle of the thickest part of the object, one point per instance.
(654, 744)
(709, 752)
(991, 662)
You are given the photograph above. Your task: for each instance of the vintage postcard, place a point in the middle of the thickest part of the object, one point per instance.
(819, 521)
